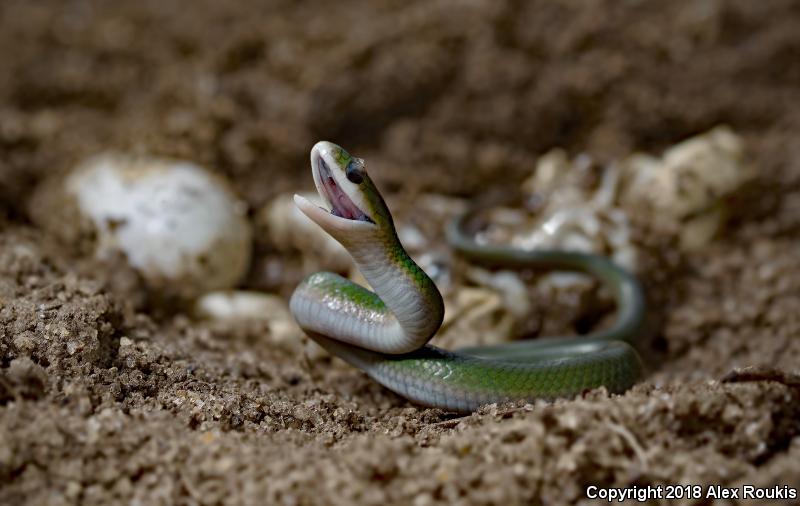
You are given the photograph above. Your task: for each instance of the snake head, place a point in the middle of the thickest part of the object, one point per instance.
(354, 204)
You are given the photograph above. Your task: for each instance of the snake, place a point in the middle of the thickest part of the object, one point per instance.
(385, 332)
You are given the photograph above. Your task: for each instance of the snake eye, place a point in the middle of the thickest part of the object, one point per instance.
(354, 173)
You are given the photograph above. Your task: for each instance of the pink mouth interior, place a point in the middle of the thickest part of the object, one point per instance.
(341, 205)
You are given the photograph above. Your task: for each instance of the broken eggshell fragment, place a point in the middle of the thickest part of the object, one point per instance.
(688, 185)
(177, 224)
(575, 211)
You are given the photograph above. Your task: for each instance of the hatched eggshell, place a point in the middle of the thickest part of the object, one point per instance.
(689, 183)
(180, 226)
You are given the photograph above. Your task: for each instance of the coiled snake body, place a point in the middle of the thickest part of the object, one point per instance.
(385, 333)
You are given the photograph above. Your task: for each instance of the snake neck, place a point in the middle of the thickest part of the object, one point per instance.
(401, 316)
(408, 293)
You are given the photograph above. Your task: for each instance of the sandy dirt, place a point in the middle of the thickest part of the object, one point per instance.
(107, 398)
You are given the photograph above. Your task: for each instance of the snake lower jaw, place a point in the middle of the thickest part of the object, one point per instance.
(340, 228)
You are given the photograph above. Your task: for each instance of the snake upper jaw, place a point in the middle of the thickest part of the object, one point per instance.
(331, 167)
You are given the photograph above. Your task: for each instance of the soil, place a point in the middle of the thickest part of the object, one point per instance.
(107, 398)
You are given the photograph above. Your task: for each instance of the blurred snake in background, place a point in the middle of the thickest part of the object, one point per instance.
(385, 332)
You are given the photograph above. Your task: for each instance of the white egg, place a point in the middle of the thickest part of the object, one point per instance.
(180, 226)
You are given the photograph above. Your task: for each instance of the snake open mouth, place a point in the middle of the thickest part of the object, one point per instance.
(341, 205)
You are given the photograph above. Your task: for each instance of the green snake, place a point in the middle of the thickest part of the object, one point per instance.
(385, 332)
